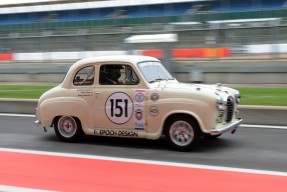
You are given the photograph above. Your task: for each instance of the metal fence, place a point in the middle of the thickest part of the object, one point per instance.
(246, 39)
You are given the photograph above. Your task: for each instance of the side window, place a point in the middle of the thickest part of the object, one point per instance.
(132, 76)
(114, 74)
(85, 76)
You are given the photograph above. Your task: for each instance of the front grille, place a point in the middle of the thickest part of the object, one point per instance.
(229, 109)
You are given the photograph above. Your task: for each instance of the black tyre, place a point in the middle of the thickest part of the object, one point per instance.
(68, 129)
(183, 133)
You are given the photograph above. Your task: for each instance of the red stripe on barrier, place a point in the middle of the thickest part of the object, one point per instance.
(6, 57)
(184, 53)
(153, 53)
(187, 53)
(58, 173)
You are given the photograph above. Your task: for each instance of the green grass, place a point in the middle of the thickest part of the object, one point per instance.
(23, 91)
(249, 96)
(263, 96)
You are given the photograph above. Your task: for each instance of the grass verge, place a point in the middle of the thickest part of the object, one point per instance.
(23, 91)
(263, 96)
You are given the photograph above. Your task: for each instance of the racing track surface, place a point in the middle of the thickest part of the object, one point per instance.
(248, 148)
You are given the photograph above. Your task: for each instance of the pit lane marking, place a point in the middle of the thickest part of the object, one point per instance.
(19, 189)
(148, 162)
(36, 170)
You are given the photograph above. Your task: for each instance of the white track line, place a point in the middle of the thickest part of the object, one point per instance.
(19, 189)
(264, 126)
(16, 115)
(164, 163)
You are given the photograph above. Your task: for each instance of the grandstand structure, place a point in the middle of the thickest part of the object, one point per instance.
(241, 26)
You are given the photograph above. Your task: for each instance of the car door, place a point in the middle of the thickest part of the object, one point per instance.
(122, 105)
(82, 88)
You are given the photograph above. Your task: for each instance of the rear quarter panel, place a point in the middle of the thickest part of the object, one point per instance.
(71, 106)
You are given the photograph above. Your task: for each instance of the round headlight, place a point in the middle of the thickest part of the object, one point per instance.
(220, 103)
(237, 97)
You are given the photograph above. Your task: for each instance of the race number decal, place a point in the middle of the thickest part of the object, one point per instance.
(119, 108)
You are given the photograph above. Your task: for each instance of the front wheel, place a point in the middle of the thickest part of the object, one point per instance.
(182, 133)
(68, 129)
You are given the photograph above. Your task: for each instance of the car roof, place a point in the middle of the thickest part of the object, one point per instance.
(115, 58)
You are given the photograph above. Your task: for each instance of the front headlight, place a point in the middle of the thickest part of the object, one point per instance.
(237, 98)
(220, 103)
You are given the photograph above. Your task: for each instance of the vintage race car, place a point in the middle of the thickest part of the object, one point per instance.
(136, 97)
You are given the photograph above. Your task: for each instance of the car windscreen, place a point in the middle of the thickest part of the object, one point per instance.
(154, 71)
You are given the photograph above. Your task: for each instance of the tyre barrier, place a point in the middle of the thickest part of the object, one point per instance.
(261, 115)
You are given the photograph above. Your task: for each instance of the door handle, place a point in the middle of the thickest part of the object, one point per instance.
(98, 92)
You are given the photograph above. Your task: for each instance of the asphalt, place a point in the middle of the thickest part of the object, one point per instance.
(251, 148)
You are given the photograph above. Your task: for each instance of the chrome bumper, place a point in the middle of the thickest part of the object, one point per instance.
(37, 122)
(229, 127)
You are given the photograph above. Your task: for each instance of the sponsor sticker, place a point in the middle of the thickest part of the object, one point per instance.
(85, 92)
(139, 97)
(139, 114)
(154, 96)
(139, 109)
(115, 133)
(153, 111)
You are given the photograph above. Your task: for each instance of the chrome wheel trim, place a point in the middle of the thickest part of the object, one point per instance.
(181, 133)
(67, 126)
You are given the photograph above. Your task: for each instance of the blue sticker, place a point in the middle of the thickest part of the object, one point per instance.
(139, 97)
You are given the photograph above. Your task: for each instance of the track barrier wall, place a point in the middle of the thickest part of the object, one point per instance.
(6, 56)
(158, 53)
(219, 52)
(188, 53)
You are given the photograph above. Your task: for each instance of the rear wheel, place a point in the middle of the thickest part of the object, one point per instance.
(68, 129)
(182, 133)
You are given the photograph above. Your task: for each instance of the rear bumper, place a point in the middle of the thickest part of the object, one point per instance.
(229, 127)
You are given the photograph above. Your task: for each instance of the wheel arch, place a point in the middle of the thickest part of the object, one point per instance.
(171, 116)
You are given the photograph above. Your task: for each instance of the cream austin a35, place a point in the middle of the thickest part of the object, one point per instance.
(136, 97)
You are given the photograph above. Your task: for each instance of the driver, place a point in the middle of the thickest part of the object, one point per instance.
(112, 74)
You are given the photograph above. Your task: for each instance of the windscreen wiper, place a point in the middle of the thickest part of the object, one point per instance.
(157, 80)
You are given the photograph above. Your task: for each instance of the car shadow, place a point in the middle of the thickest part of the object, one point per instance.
(126, 142)
(213, 145)
(206, 145)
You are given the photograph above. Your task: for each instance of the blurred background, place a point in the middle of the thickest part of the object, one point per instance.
(209, 41)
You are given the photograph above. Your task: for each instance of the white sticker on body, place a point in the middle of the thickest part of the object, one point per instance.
(119, 108)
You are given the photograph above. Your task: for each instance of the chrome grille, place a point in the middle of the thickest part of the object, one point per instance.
(220, 116)
(229, 109)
